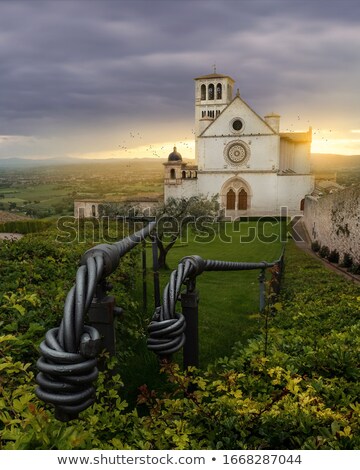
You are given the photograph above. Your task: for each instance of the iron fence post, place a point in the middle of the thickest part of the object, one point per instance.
(262, 277)
(155, 271)
(143, 254)
(102, 316)
(190, 310)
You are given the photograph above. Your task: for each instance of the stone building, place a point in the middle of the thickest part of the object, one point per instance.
(86, 209)
(243, 158)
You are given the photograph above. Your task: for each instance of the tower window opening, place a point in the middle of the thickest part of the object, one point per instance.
(237, 125)
(172, 174)
(219, 91)
(183, 174)
(203, 92)
(211, 92)
(93, 210)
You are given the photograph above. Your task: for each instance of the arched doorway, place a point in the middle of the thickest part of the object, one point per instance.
(242, 200)
(230, 200)
(236, 196)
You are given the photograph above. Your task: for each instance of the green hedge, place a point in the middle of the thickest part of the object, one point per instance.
(25, 226)
(302, 394)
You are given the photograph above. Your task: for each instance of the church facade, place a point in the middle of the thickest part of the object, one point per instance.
(244, 159)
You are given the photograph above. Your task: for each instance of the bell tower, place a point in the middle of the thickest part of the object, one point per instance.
(213, 93)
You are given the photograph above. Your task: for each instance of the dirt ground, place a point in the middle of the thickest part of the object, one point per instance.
(10, 236)
(6, 216)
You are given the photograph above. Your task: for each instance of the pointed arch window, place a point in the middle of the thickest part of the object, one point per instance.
(219, 91)
(172, 174)
(203, 92)
(211, 92)
(230, 200)
(242, 200)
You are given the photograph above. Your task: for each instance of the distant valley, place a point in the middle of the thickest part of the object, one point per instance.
(320, 162)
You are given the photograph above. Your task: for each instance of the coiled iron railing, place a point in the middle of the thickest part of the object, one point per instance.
(68, 365)
(169, 330)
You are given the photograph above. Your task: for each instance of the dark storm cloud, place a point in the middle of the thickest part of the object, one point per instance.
(77, 63)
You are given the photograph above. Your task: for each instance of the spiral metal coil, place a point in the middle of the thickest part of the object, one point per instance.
(68, 362)
(166, 331)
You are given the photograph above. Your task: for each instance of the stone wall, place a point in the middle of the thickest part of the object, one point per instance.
(89, 209)
(334, 220)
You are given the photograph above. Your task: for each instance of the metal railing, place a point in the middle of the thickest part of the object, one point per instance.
(68, 365)
(169, 330)
(69, 354)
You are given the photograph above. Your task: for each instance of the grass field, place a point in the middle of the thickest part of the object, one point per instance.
(45, 191)
(229, 301)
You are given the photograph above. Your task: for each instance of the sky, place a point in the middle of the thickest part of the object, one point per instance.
(114, 78)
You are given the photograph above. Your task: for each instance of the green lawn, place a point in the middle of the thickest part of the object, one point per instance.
(41, 198)
(229, 301)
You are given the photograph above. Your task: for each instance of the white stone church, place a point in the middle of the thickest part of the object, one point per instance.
(243, 158)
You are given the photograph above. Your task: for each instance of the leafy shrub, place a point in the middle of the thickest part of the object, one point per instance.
(25, 226)
(324, 251)
(315, 246)
(303, 394)
(333, 256)
(355, 268)
(347, 260)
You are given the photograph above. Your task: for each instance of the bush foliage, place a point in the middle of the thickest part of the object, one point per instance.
(303, 393)
(334, 256)
(315, 246)
(25, 226)
(324, 251)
